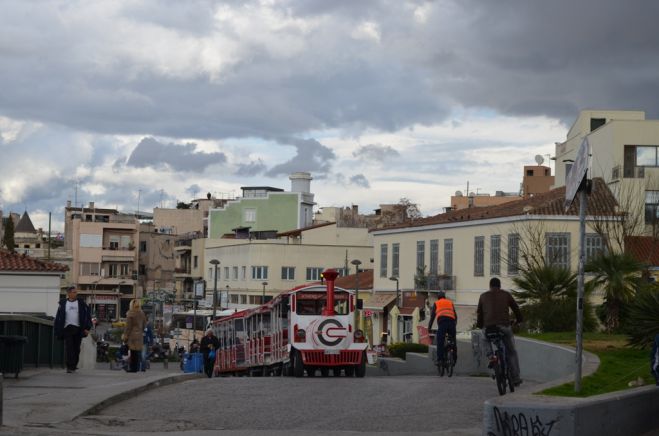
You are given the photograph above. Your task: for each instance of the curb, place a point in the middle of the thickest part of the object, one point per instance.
(165, 381)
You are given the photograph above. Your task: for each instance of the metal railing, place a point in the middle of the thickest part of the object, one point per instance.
(41, 348)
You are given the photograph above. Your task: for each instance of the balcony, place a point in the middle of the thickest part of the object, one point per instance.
(634, 172)
(182, 273)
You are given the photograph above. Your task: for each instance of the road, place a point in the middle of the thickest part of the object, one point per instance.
(403, 405)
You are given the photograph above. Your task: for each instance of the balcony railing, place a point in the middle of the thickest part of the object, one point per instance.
(634, 172)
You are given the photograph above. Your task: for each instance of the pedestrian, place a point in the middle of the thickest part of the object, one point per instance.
(133, 334)
(209, 346)
(447, 318)
(494, 310)
(73, 322)
(654, 360)
(147, 342)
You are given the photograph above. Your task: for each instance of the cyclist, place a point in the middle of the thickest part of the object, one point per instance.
(447, 318)
(493, 310)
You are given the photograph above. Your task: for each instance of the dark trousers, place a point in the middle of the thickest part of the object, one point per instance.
(72, 340)
(445, 326)
(208, 365)
(134, 360)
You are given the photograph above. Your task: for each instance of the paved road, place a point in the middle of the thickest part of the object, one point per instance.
(373, 404)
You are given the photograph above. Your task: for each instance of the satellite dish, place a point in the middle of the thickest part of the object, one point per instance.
(539, 159)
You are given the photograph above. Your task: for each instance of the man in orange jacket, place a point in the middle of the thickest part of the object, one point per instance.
(447, 318)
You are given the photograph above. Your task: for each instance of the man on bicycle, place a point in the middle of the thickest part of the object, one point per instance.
(493, 310)
(447, 318)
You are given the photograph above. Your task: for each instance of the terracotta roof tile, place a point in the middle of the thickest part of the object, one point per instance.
(644, 249)
(297, 232)
(19, 262)
(600, 202)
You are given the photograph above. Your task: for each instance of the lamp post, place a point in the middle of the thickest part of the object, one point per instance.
(227, 300)
(263, 297)
(215, 263)
(395, 279)
(356, 262)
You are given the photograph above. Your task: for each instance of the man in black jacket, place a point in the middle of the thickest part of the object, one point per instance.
(72, 322)
(209, 343)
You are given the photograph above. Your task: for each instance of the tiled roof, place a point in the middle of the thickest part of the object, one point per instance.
(19, 262)
(348, 282)
(25, 225)
(600, 202)
(644, 249)
(297, 232)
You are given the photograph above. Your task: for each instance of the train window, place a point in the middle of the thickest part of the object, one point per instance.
(315, 307)
(265, 322)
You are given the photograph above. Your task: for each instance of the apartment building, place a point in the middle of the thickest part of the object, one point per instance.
(105, 259)
(624, 152)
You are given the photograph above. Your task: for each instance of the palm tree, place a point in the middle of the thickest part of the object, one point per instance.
(643, 323)
(548, 297)
(617, 275)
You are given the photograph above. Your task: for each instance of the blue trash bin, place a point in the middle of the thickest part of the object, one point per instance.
(193, 362)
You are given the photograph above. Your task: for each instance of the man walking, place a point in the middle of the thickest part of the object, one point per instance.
(494, 310)
(447, 318)
(209, 346)
(72, 322)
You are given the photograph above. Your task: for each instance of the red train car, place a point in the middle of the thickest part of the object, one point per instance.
(307, 329)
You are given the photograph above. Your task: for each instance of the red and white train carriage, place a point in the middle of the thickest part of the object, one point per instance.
(302, 330)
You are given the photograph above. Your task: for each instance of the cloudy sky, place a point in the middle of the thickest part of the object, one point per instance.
(143, 103)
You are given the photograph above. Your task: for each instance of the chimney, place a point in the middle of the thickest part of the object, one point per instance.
(300, 182)
(329, 275)
(91, 204)
(68, 203)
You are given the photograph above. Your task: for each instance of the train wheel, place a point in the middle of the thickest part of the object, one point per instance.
(360, 370)
(350, 371)
(336, 371)
(298, 366)
(311, 371)
(324, 371)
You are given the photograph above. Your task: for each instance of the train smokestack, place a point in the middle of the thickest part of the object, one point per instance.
(330, 275)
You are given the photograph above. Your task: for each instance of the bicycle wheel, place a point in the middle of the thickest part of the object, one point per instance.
(450, 362)
(499, 374)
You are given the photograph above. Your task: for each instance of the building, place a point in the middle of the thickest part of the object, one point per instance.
(461, 201)
(250, 270)
(156, 259)
(623, 145)
(459, 251)
(537, 180)
(386, 215)
(29, 285)
(105, 259)
(264, 211)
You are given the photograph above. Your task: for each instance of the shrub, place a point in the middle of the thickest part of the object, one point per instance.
(400, 349)
(643, 321)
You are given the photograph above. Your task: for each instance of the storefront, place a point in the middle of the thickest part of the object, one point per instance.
(106, 307)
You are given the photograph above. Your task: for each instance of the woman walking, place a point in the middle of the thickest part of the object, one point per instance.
(133, 334)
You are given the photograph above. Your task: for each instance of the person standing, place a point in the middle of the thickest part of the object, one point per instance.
(73, 321)
(494, 310)
(133, 334)
(447, 318)
(147, 343)
(654, 359)
(209, 346)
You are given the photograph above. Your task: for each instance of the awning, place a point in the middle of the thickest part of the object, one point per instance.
(379, 300)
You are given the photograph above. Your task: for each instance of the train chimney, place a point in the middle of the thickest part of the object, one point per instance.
(330, 275)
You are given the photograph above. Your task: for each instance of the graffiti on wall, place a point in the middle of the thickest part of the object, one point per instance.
(518, 424)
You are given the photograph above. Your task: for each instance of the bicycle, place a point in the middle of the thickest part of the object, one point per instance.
(447, 363)
(498, 362)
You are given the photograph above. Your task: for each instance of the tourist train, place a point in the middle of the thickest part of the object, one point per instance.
(304, 330)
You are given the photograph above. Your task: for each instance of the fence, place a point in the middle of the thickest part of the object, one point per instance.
(41, 348)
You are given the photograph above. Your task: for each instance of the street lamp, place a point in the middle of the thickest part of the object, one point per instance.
(263, 297)
(215, 263)
(356, 262)
(227, 300)
(395, 279)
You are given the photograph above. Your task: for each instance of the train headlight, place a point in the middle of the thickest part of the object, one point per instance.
(358, 336)
(300, 335)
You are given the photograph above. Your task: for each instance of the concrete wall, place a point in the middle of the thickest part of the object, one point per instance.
(20, 293)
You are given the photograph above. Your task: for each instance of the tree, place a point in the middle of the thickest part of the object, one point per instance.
(8, 238)
(617, 275)
(421, 278)
(182, 205)
(643, 321)
(412, 211)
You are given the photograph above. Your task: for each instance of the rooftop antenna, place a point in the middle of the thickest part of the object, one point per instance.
(539, 159)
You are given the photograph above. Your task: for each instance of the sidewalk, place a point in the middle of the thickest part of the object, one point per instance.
(42, 397)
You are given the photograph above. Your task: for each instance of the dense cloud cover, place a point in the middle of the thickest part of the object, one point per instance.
(111, 101)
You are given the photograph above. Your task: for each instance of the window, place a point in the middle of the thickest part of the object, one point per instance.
(384, 248)
(343, 271)
(288, 273)
(513, 254)
(651, 207)
(596, 123)
(235, 273)
(249, 215)
(90, 269)
(114, 242)
(226, 273)
(434, 257)
(646, 156)
(420, 255)
(479, 249)
(243, 272)
(243, 299)
(313, 273)
(113, 270)
(558, 249)
(124, 269)
(395, 259)
(529, 173)
(259, 273)
(495, 255)
(142, 246)
(448, 256)
(594, 245)
(195, 261)
(233, 298)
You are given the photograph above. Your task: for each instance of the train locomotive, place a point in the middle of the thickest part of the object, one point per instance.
(304, 330)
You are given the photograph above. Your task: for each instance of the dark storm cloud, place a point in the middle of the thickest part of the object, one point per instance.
(312, 156)
(181, 157)
(360, 180)
(250, 169)
(375, 152)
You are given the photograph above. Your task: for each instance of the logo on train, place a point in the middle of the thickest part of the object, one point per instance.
(330, 332)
